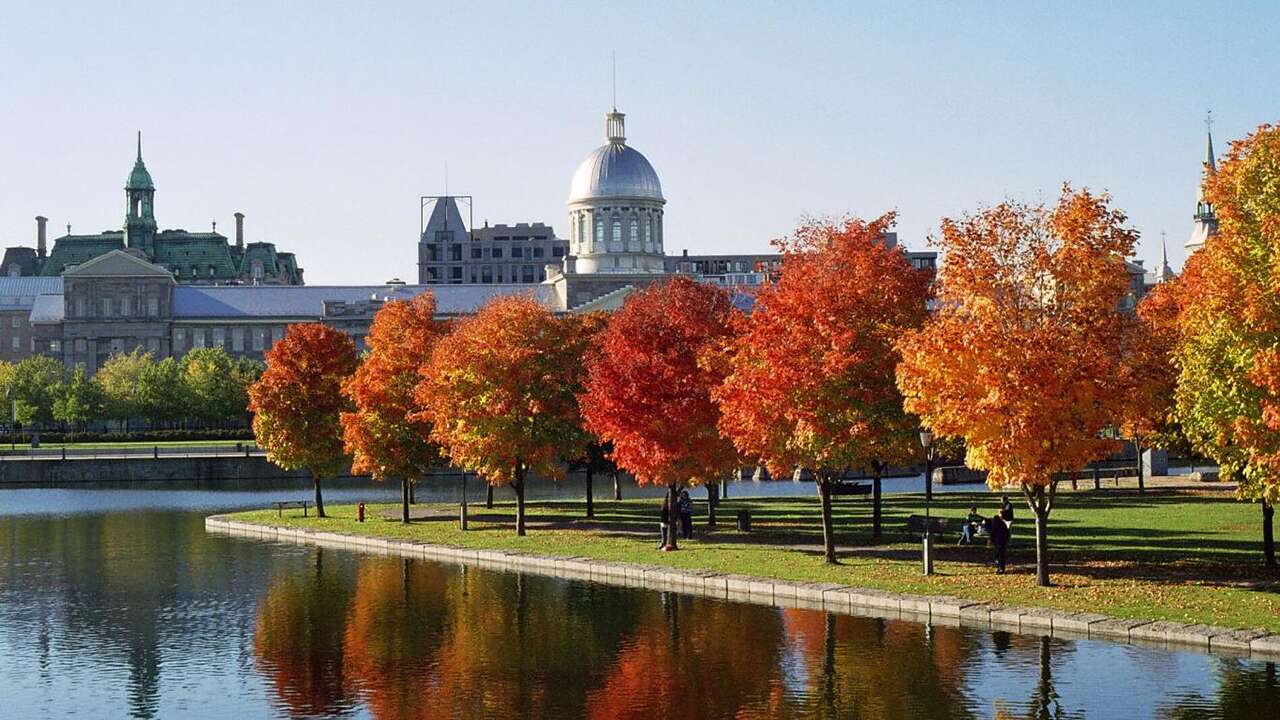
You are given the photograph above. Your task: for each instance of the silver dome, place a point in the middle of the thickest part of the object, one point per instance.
(615, 170)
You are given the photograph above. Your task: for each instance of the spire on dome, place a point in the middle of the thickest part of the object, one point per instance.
(139, 179)
(139, 146)
(1164, 272)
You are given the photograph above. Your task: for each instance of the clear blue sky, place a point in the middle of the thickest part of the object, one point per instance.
(324, 122)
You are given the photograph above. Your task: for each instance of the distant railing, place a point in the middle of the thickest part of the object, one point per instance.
(137, 452)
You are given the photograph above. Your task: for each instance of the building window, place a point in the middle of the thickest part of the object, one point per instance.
(517, 252)
(55, 346)
(277, 334)
(557, 251)
(259, 338)
(219, 337)
(455, 274)
(179, 338)
(633, 235)
(475, 253)
(237, 339)
(497, 253)
(598, 245)
(615, 239)
(582, 232)
(80, 307)
(13, 322)
(197, 338)
(153, 306)
(256, 269)
(537, 252)
(455, 253)
(106, 307)
(15, 343)
(82, 346)
(153, 345)
(526, 273)
(486, 274)
(124, 307)
(648, 234)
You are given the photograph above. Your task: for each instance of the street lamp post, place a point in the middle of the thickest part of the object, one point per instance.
(926, 441)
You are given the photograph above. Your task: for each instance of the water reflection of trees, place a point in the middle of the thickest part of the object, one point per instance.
(1246, 690)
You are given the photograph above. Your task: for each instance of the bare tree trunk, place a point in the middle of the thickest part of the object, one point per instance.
(488, 498)
(591, 507)
(828, 529)
(713, 499)
(876, 510)
(1041, 503)
(518, 486)
(673, 516)
(404, 500)
(315, 480)
(617, 486)
(1268, 533)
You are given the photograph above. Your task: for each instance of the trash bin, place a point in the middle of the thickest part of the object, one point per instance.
(744, 520)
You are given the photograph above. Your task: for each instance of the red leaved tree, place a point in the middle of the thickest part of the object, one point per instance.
(298, 401)
(1024, 357)
(501, 394)
(649, 394)
(385, 434)
(812, 380)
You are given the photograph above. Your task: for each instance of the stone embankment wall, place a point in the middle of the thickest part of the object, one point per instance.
(933, 609)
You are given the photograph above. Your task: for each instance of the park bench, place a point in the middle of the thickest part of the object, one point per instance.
(283, 505)
(916, 525)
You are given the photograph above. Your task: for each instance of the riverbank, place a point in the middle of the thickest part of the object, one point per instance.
(1178, 558)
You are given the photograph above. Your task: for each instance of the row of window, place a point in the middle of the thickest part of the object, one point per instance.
(117, 307)
(237, 338)
(496, 253)
(634, 234)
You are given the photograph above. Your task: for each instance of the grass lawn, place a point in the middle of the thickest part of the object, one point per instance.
(1182, 557)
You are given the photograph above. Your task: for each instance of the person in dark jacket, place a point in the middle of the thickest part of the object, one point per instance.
(999, 530)
(686, 515)
(664, 525)
(1006, 511)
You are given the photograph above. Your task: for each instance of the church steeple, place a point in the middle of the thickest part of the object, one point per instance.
(1206, 222)
(140, 221)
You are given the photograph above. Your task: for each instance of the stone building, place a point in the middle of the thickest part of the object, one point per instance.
(191, 257)
(450, 252)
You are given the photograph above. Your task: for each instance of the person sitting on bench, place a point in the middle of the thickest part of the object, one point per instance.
(971, 526)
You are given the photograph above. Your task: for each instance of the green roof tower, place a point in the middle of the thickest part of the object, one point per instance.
(140, 220)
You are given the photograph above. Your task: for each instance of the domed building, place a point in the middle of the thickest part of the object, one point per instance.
(615, 208)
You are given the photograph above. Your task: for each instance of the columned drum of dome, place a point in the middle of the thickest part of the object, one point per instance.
(615, 208)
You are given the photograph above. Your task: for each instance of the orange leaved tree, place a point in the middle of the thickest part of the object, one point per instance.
(1023, 357)
(501, 394)
(385, 434)
(1228, 357)
(298, 400)
(812, 379)
(1148, 373)
(648, 392)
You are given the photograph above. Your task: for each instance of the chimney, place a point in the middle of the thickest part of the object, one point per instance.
(240, 231)
(40, 235)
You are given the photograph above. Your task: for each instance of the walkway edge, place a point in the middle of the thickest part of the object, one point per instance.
(843, 599)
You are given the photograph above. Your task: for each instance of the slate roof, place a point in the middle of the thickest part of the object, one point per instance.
(48, 308)
(76, 249)
(21, 292)
(307, 301)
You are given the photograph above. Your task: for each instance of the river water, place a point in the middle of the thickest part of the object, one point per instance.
(115, 603)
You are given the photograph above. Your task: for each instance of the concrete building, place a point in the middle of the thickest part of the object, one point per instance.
(191, 257)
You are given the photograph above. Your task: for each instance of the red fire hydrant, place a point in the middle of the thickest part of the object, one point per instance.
(360, 512)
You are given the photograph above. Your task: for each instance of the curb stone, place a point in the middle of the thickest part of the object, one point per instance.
(939, 610)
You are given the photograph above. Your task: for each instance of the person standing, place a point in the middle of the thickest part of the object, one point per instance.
(999, 541)
(1006, 511)
(686, 515)
(664, 524)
